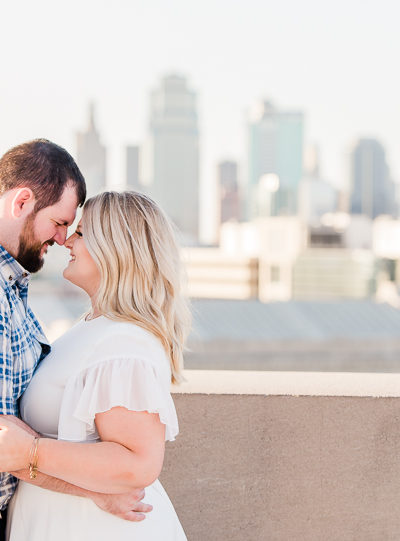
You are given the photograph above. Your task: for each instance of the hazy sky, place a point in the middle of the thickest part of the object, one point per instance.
(336, 61)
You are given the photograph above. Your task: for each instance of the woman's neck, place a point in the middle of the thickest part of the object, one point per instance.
(95, 311)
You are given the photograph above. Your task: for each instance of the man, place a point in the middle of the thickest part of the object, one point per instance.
(40, 189)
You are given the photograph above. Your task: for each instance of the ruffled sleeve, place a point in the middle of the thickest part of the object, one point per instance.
(134, 384)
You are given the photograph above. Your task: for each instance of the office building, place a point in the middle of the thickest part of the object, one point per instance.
(172, 154)
(316, 197)
(213, 274)
(372, 191)
(228, 191)
(275, 161)
(91, 156)
(132, 168)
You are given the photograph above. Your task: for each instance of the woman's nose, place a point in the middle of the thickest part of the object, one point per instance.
(69, 241)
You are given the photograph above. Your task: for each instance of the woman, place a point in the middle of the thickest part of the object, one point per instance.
(106, 382)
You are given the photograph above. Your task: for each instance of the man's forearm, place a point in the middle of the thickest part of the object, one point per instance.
(127, 506)
(51, 483)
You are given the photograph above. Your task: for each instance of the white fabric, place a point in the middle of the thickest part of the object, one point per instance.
(98, 389)
(97, 365)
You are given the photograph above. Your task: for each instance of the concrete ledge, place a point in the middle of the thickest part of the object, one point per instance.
(255, 461)
(289, 383)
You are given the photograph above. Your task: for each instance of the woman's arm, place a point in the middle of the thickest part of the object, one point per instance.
(127, 505)
(130, 454)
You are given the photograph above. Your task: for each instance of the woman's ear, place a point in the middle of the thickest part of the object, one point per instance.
(22, 203)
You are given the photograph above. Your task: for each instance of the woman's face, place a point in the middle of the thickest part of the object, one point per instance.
(81, 270)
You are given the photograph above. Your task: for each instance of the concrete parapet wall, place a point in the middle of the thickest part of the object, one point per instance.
(312, 457)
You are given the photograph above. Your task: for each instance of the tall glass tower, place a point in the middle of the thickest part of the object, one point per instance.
(275, 148)
(91, 156)
(372, 191)
(173, 153)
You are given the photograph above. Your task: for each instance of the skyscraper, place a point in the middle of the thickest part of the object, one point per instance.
(372, 191)
(91, 156)
(172, 153)
(229, 191)
(132, 168)
(316, 197)
(275, 148)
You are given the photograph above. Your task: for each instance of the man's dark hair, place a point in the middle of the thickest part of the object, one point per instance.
(45, 168)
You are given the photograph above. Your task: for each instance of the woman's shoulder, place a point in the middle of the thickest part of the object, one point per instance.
(129, 329)
(124, 339)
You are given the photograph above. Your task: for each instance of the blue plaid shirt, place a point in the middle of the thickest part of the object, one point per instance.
(22, 345)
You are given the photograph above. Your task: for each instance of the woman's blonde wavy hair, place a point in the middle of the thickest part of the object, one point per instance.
(134, 246)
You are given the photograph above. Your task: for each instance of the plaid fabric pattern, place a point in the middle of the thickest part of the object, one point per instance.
(22, 345)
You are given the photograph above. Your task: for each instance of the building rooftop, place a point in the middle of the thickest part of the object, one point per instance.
(251, 320)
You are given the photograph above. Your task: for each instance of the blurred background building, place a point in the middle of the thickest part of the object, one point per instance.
(132, 168)
(275, 147)
(228, 185)
(91, 156)
(316, 197)
(372, 190)
(171, 167)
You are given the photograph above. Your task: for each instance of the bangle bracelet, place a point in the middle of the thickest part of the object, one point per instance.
(33, 458)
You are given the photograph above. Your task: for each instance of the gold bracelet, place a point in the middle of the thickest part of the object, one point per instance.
(33, 458)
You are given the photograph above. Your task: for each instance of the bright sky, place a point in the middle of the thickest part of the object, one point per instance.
(336, 61)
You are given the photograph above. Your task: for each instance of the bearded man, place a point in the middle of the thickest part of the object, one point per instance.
(40, 189)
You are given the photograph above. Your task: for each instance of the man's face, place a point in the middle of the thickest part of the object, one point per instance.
(44, 228)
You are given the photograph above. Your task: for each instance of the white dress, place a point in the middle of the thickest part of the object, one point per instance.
(95, 366)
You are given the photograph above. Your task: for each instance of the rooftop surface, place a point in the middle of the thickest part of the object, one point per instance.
(293, 320)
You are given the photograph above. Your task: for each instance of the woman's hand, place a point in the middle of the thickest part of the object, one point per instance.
(15, 445)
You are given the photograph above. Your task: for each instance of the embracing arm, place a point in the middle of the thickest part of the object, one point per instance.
(127, 505)
(129, 456)
(51, 483)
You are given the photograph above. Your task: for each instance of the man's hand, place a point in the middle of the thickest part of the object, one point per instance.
(128, 506)
(21, 424)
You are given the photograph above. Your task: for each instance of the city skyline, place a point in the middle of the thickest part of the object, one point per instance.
(288, 52)
(165, 165)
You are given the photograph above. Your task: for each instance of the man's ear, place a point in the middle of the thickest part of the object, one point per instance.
(22, 203)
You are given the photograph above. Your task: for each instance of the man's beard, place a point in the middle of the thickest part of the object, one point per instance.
(29, 255)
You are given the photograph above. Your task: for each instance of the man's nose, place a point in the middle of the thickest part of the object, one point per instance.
(60, 237)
